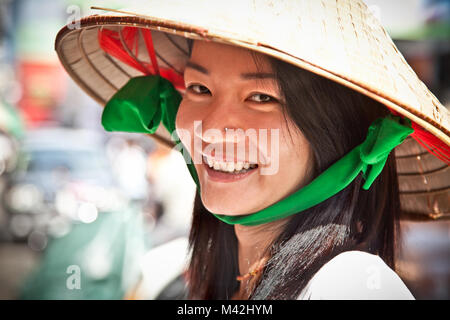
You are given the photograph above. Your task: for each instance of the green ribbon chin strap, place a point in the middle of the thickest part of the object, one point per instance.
(384, 134)
(144, 102)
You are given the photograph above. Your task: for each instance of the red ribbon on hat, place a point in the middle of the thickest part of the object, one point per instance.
(429, 141)
(111, 43)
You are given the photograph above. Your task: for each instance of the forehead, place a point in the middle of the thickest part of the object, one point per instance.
(214, 55)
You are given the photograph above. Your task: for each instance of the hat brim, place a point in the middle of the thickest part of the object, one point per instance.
(423, 179)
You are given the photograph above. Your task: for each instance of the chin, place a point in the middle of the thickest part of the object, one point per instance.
(230, 209)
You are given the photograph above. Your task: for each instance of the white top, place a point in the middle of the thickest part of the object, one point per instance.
(356, 275)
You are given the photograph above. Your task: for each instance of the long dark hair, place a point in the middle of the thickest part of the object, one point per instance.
(334, 119)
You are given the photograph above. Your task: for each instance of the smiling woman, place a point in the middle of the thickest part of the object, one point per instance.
(290, 136)
(285, 253)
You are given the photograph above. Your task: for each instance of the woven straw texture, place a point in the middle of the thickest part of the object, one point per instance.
(338, 39)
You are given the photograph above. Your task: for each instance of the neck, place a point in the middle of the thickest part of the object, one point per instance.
(253, 241)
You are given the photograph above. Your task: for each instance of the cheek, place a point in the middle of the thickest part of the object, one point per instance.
(184, 124)
(180, 120)
(294, 162)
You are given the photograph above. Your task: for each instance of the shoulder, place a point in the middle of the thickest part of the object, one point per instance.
(356, 275)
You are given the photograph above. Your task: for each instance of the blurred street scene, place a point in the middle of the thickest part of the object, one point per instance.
(81, 209)
(88, 214)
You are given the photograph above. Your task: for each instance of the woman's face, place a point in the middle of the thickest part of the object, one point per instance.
(225, 89)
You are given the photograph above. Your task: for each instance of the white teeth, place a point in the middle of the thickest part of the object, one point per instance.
(223, 166)
(228, 166)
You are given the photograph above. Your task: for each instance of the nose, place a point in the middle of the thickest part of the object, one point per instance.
(222, 114)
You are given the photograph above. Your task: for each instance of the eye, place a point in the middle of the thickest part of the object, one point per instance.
(198, 89)
(262, 98)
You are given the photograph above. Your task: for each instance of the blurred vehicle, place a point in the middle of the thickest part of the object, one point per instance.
(62, 177)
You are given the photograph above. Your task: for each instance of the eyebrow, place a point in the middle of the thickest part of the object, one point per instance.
(246, 76)
(197, 67)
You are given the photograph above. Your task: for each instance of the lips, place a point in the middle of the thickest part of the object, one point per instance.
(252, 157)
(219, 176)
(227, 166)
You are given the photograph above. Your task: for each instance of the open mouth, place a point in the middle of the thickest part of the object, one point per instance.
(229, 167)
(222, 171)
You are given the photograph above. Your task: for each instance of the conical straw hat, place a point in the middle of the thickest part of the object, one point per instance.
(339, 40)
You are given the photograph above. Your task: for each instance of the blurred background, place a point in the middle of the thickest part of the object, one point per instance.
(88, 214)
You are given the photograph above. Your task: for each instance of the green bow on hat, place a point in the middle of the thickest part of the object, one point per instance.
(140, 106)
(144, 102)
